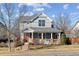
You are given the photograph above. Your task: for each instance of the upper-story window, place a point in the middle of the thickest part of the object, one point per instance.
(52, 26)
(41, 23)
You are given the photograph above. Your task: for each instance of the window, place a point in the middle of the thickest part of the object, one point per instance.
(55, 35)
(47, 35)
(41, 23)
(52, 26)
(37, 35)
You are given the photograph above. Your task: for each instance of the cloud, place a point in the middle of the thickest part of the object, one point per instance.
(53, 15)
(35, 5)
(30, 4)
(62, 14)
(2, 10)
(29, 14)
(66, 6)
(39, 9)
(46, 5)
(78, 7)
(38, 4)
(74, 14)
(20, 4)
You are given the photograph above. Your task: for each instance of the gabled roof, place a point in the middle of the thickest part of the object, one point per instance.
(74, 25)
(30, 18)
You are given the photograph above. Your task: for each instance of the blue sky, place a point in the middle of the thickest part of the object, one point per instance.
(53, 10)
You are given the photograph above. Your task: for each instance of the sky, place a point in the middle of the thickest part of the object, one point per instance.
(53, 10)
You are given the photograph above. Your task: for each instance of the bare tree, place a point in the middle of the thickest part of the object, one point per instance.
(9, 13)
(11, 21)
(63, 23)
(22, 10)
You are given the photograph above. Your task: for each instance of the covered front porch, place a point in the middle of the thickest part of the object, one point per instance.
(41, 36)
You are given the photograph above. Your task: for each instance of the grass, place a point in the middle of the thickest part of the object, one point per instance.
(40, 49)
(34, 47)
(55, 47)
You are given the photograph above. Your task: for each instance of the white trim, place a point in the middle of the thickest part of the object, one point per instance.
(59, 36)
(42, 35)
(51, 36)
(32, 35)
(29, 30)
(22, 37)
(47, 17)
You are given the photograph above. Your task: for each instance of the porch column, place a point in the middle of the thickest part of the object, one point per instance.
(51, 36)
(32, 37)
(42, 39)
(42, 35)
(59, 38)
(22, 37)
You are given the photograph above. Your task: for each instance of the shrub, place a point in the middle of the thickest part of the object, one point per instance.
(19, 43)
(2, 44)
(63, 38)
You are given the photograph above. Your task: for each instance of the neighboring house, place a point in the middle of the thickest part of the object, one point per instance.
(38, 29)
(75, 28)
(74, 34)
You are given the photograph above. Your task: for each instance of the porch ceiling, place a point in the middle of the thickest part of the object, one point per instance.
(27, 30)
(50, 30)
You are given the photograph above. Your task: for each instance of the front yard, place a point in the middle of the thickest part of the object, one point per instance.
(43, 51)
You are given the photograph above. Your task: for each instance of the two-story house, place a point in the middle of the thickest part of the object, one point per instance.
(39, 29)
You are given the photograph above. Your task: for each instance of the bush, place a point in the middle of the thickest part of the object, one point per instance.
(31, 43)
(37, 47)
(63, 38)
(2, 44)
(19, 43)
(68, 42)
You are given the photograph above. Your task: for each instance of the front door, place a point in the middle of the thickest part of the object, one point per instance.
(26, 37)
(55, 38)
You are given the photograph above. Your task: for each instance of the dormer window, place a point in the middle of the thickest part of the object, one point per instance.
(52, 26)
(41, 22)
